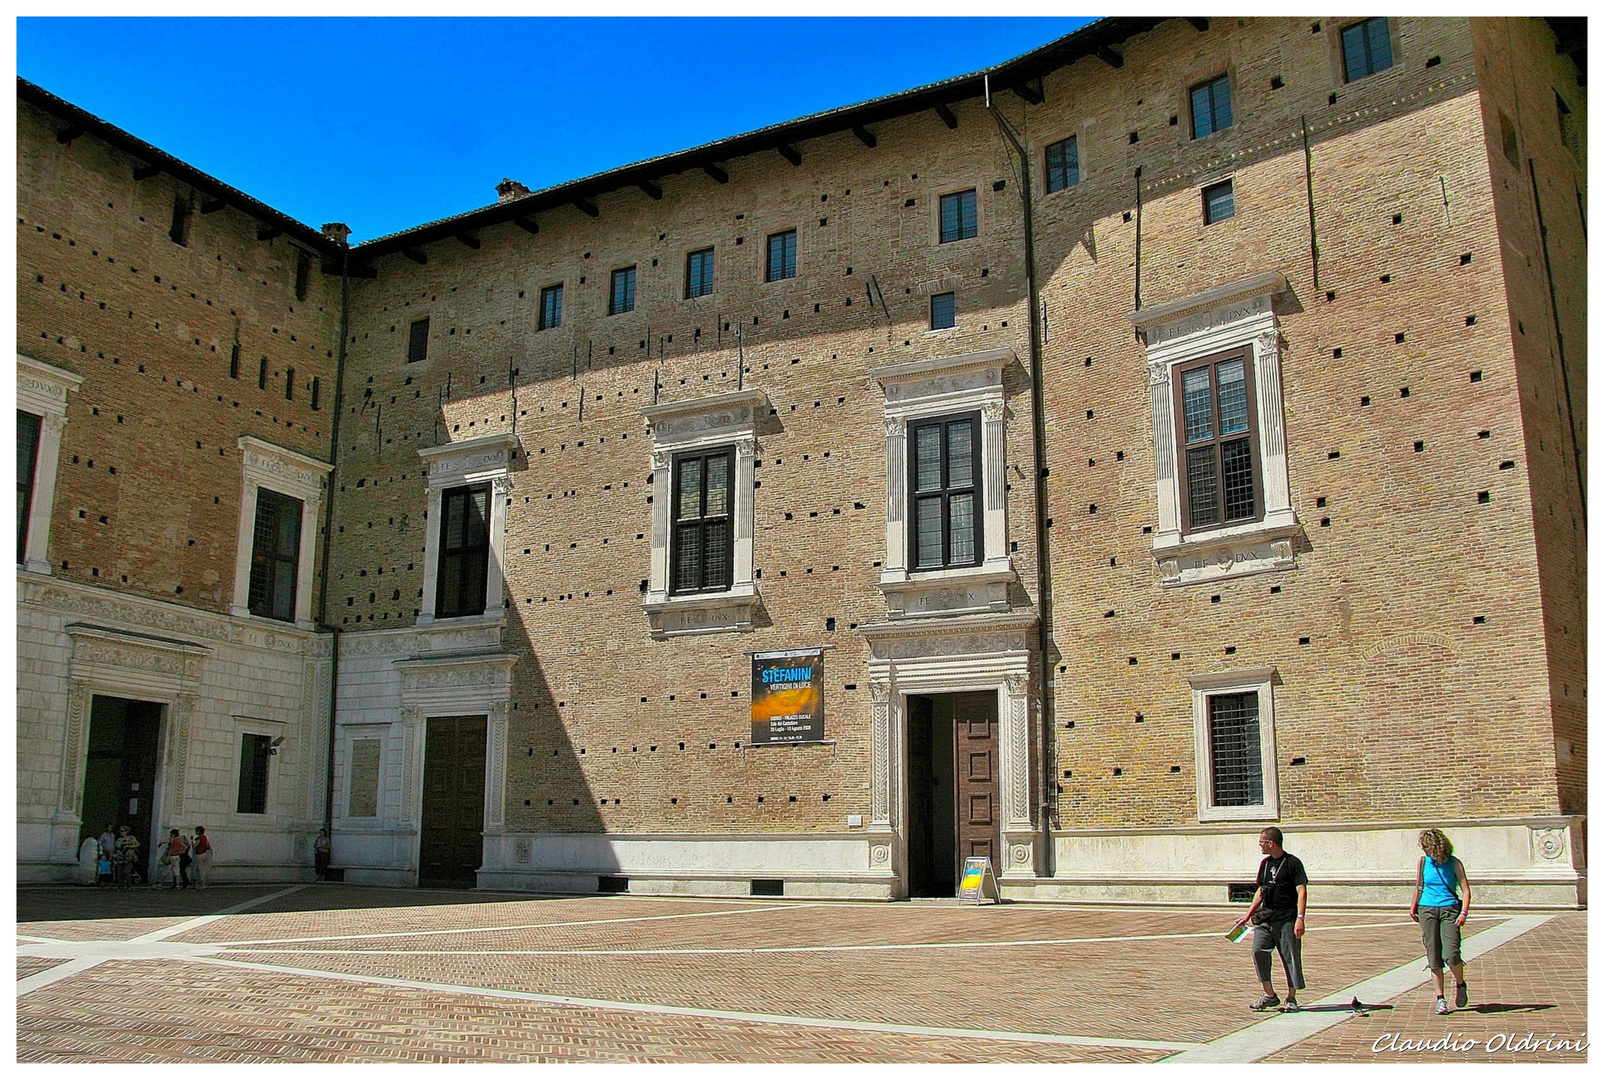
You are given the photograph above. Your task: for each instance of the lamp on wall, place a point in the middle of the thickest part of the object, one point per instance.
(272, 747)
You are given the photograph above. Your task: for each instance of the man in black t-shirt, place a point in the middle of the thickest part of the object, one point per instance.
(1279, 904)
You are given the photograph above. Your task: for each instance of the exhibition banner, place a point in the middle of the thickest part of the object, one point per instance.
(788, 696)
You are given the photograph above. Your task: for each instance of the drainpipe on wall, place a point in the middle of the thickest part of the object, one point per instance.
(340, 233)
(1044, 588)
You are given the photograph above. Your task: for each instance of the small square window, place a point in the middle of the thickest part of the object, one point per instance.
(621, 297)
(1366, 49)
(782, 255)
(1211, 107)
(551, 307)
(943, 311)
(418, 342)
(958, 217)
(1063, 164)
(1219, 202)
(699, 273)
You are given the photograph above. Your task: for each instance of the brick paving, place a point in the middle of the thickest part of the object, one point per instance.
(338, 973)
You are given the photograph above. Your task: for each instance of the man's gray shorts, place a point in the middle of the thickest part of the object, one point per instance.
(1279, 937)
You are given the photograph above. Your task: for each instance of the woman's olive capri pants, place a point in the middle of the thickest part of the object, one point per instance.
(1439, 931)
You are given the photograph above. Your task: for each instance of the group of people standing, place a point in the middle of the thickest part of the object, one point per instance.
(1281, 900)
(116, 857)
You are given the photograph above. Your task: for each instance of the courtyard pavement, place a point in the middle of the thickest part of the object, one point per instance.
(340, 973)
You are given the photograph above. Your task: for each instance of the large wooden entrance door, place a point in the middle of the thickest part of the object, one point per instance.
(120, 776)
(974, 767)
(451, 847)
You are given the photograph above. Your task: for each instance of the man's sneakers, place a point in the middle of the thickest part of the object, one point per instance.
(1268, 1001)
(1461, 995)
(1442, 1007)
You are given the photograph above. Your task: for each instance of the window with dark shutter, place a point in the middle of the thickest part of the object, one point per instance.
(1063, 164)
(1216, 431)
(621, 297)
(464, 552)
(275, 555)
(255, 751)
(418, 342)
(1211, 107)
(703, 541)
(782, 255)
(551, 307)
(944, 478)
(1236, 769)
(943, 311)
(958, 217)
(28, 426)
(699, 273)
(1366, 49)
(1219, 202)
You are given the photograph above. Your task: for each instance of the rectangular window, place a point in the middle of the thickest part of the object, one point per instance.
(179, 233)
(418, 342)
(1215, 423)
(28, 426)
(1366, 49)
(464, 552)
(289, 384)
(363, 775)
(1511, 139)
(621, 297)
(1219, 202)
(551, 307)
(703, 541)
(233, 361)
(782, 255)
(944, 477)
(1236, 771)
(699, 273)
(958, 220)
(261, 374)
(1211, 107)
(303, 274)
(1063, 164)
(943, 311)
(275, 555)
(255, 751)
(316, 386)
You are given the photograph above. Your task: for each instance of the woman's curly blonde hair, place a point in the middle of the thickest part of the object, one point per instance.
(1435, 842)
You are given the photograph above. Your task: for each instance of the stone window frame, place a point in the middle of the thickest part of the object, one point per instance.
(1247, 680)
(42, 389)
(926, 389)
(1047, 170)
(940, 207)
(1341, 27)
(1239, 315)
(349, 737)
(728, 419)
(278, 800)
(1209, 84)
(286, 472)
(487, 459)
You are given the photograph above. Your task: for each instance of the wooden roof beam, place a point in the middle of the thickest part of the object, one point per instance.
(947, 117)
(716, 173)
(650, 188)
(865, 136)
(528, 225)
(789, 153)
(416, 255)
(587, 207)
(1110, 57)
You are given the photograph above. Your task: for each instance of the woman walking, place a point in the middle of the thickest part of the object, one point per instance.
(1442, 900)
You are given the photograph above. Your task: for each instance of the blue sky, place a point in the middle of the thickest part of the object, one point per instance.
(388, 123)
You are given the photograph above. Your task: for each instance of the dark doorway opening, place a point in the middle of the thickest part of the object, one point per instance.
(451, 847)
(952, 788)
(120, 777)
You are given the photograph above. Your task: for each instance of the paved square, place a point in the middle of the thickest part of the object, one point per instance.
(333, 973)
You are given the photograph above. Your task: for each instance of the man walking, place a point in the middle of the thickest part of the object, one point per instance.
(1280, 902)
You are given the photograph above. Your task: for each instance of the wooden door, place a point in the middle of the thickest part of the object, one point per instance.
(974, 768)
(452, 842)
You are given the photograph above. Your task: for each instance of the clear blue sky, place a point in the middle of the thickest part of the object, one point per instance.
(389, 123)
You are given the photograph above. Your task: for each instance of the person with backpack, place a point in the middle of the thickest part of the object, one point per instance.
(1442, 900)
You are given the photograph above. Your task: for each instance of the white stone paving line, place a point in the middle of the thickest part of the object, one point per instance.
(84, 955)
(1282, 1030)
(708, 1014)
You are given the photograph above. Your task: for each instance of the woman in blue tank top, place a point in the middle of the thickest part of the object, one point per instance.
(1442, 900)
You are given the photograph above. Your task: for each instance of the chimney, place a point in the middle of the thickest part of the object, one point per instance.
(510, 189)
(337, 231)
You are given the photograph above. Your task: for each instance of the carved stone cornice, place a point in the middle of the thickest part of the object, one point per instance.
(964, 635)
(917, 383)
(281, 468)
(471, 459)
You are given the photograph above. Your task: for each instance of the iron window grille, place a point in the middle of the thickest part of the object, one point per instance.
(1366, 49)
(782, 255)
(1063, 164)
(944, 478)
(551, 307)
(621, 297)
(958, 217)
(1219, 202)
(418, 341)
(464, 552)
(703, 544)
(943, 311)
(275, 555)
(1236, 771)
(1217, 431)
(699, 273)
(255, 752)
(28, 427)
(1211, 106)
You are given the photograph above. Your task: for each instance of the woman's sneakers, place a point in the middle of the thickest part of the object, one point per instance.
(1461, 995)
(1268, 1001)
(1442, 1007)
